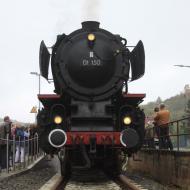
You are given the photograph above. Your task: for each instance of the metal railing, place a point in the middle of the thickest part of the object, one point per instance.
(180, 139)
(17, 153)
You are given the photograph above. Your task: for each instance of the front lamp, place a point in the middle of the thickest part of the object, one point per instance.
(127, 120)
(91, 37)
(58, 119)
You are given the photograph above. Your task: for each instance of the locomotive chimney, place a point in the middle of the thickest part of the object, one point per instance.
(90, 25)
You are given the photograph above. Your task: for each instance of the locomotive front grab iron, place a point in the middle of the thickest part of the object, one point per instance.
(89, 115)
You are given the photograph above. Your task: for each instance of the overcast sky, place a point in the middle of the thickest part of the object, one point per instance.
(163, 26)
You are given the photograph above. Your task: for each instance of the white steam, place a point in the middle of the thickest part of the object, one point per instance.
(90, 10)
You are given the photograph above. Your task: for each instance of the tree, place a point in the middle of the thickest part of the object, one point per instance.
(159, 100)
(188, 108)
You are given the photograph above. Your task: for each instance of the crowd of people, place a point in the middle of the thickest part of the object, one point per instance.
(14, 132)
(159, 128)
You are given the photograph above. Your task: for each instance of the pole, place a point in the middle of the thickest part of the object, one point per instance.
(35, 115)
(177, 136)
(7, 156)
(39, 90)
(14, 150)
(39, 86)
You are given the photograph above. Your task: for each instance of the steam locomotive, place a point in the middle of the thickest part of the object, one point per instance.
(91, 118)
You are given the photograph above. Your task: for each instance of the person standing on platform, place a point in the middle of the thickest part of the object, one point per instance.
(5, 129)
(19, 136)
(163, 118)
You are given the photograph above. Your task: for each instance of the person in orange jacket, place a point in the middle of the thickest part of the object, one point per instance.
(162, 119)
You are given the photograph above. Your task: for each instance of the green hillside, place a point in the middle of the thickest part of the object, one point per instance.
(176, 104)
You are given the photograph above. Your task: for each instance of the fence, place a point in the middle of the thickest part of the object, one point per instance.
(179, 133)
(18, 154)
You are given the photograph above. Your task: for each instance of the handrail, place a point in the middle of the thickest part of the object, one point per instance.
(175, 121)
(10, 149)
(177, 134)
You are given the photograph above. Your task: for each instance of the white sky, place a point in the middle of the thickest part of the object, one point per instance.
(163, 26)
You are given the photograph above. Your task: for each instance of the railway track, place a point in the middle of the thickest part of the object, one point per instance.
(43, 176)
(94, 179)
(40, 178)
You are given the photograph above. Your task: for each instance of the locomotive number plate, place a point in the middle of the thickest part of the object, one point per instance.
(91, 62)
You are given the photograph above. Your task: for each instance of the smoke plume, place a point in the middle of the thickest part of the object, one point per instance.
(90, 10)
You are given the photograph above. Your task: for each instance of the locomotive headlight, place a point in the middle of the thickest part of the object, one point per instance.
(91, 37)
(127, 120)
(58, 119)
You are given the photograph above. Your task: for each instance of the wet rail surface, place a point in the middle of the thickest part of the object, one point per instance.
(32, 179)
(97, 180)
(91, 179)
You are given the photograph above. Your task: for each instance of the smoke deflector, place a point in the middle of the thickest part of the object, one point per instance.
(137, 60)
(44, 58)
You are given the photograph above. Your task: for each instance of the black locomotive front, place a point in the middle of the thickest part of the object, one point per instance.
(90, 68)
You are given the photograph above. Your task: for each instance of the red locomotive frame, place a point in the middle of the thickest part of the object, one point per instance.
(102, 138)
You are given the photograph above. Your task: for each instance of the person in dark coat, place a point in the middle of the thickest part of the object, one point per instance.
(5, 131)
(20, 135)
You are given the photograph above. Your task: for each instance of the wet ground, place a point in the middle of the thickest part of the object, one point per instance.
(32, 179)
(148, 183)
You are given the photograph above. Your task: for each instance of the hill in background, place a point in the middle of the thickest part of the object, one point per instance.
(178, 105)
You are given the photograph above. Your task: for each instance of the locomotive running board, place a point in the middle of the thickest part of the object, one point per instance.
(48, 99)
(134, 99)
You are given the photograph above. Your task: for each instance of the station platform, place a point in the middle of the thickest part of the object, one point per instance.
(19, 169)
(164, 166)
